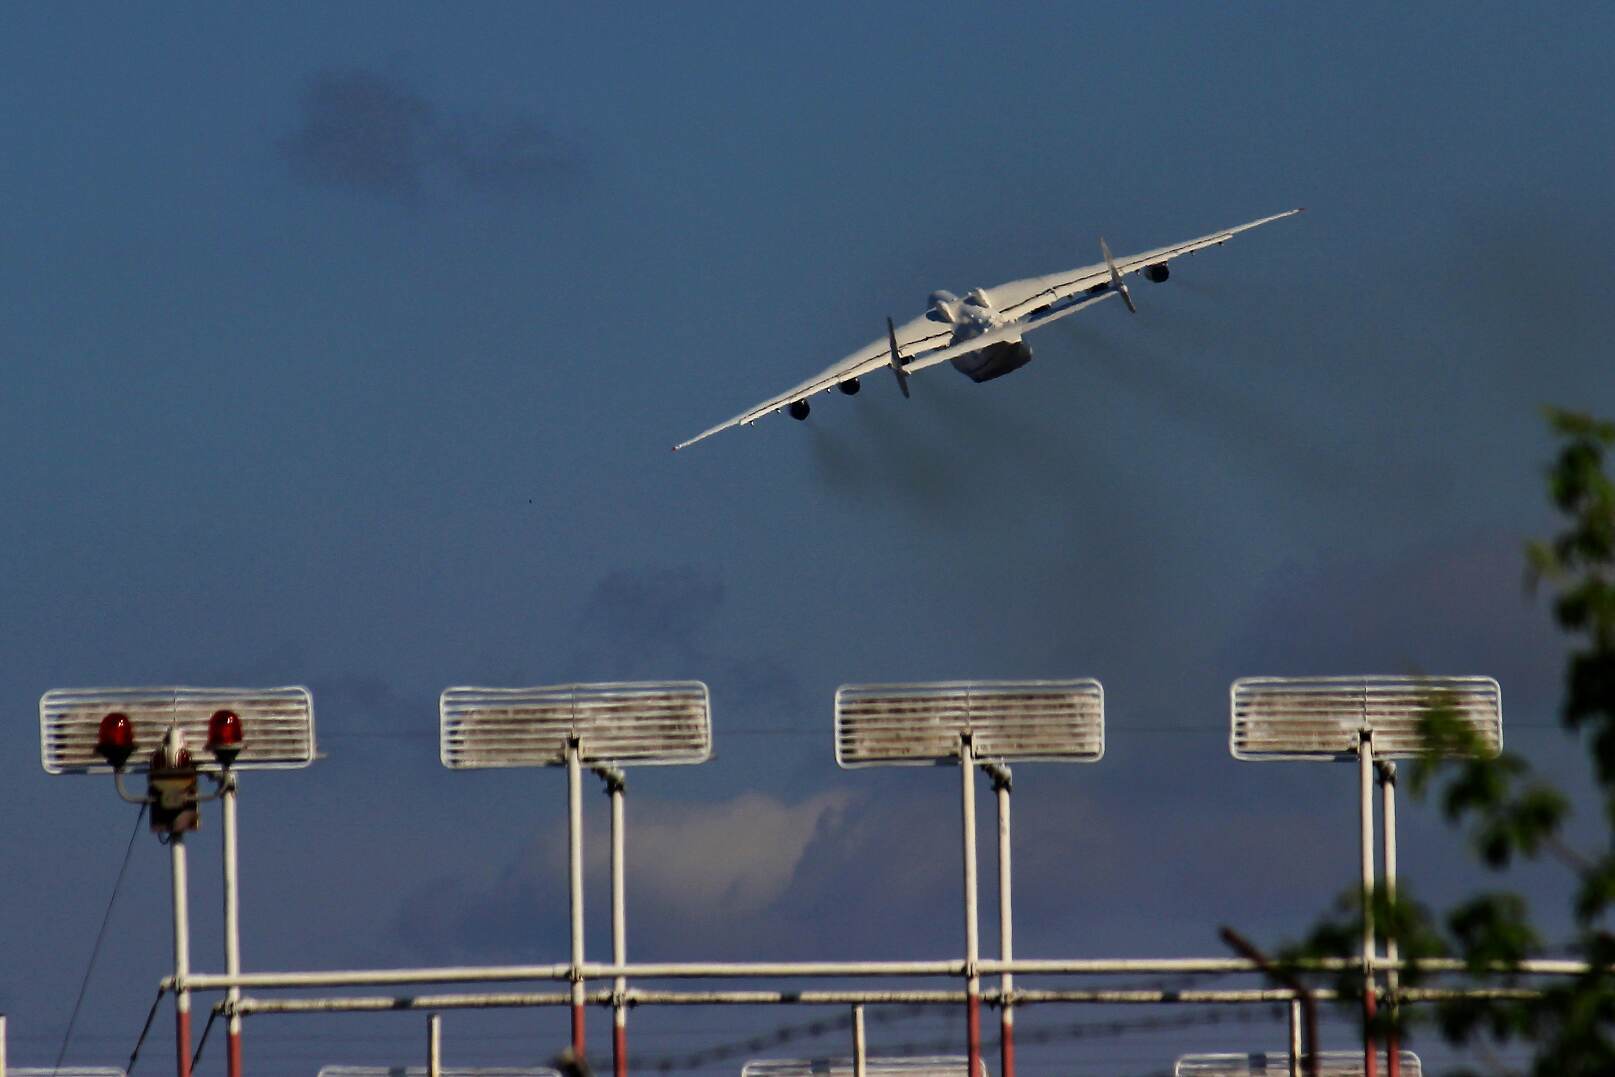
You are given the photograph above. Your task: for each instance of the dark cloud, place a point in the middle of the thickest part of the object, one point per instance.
(1457, 607)
(375, 134)
(663, 621)
(648, 615)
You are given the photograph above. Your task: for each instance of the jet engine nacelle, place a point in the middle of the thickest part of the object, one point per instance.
(849, 387)
(1157, 273)
(942, 306)
(798, 410)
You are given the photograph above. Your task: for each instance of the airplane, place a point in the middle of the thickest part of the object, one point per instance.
(981, 332)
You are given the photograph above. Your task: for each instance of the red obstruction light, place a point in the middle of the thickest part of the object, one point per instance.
(115, 739)
(224, 736)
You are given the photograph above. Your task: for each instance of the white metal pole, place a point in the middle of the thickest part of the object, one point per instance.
(1295, 1037)
(2, 1045)
(619, 931)
(1393, 1041)
(967, 767)
(859, 1048)
(1006, 928)
(182, 954)
(1365, 787)
(434, 1045)
(232, 921)
(575, 871)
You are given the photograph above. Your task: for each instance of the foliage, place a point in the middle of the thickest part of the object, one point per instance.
(1510, 814)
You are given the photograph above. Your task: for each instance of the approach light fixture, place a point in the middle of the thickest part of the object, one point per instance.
(446, 1071)
(86, 730)
(638, 723)
(1007, 721)
(1276, 1064)
(918, 1066)
(1325, 718)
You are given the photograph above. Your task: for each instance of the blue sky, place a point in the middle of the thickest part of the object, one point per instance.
(345, 348)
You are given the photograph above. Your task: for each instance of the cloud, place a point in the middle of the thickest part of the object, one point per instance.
(660, 621)
(708, 863)
(651, 614)
(1456, 607)
(700, 869)
(375, 134)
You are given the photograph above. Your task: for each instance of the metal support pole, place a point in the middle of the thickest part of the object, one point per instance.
(2, 1045)
(967, 767)
(182, 954)
(1295, 1037)
(619, 930)
(232, 921)
(1393, 1038)
(1002, 781)
(574, 834)
(1365, 786)
(434, 1045)
(859, 1049)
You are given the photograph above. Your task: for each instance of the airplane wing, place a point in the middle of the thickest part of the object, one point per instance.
(1018, 297)
(1029, 304)
(914, 338)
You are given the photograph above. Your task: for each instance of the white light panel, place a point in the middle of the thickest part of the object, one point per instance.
(1323, 717)
(642, 723)
(918, 724)
(938, 1066)
(277, 725)
(1262, 1064)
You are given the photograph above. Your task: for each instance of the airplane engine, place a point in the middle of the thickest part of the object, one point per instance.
(799, 410)
(849, 387)
(1157, 273)
(942, 306)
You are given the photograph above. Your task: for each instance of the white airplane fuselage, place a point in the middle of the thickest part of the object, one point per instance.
(970, 317)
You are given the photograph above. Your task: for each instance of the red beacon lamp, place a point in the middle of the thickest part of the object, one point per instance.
(115, 739)
(224, 736)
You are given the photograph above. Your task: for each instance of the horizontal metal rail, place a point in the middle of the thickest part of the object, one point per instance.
(724, 970)
(1021, 997)
(641, 997)
(1528, 967)
(848, 997)
(743, 969)
(1448, 994)
(372, 977)
(829, 969)
(375, 1003)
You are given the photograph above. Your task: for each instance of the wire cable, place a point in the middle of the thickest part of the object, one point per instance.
(100, 936)
(151, 1015)
(201, 1043)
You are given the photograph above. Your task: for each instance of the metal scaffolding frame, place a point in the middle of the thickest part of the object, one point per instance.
(1060, 728)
